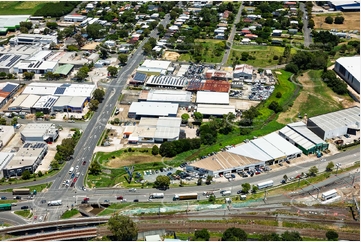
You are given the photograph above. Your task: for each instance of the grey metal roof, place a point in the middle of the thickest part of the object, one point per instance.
(153, 108)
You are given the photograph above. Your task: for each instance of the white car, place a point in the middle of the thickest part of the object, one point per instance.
(77, 167)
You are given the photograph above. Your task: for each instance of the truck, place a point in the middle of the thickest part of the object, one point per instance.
(156, 195)
(226, 193)
(185, 196)
(54, 203)
(265, 184)
(71, 170)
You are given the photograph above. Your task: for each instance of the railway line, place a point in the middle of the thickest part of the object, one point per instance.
(70, 234)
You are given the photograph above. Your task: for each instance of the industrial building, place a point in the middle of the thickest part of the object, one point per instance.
(204, 97)
(28, 158)
(154, 67)
(5, 158)
(6, 133)
(138, 79)
(44, 104)
(167, 81)
(183, 98)
(33, 39)
(38, 67)
(70, 104)
(208, 85)
(64, 70)
(328, 126)
(348, 68)
(183, 70)
(7, 90)
(11, 22)
(218, 75)
(345, 5)
(23, 103)
(299, 135)
(39, 132)
(243, 71)
(74, 18)
(8, 61)
(215, 110)
(138, 110)
(60, 89)
(155, 130)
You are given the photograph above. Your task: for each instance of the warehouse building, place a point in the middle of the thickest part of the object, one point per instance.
(11, 22)
(348, 68)
(38, 67)
(64, 70)
(328, 126)
(39, 132)
(23, 103)
(154, 67)
(70, 104)
(204, 97)
(183, 98)
(74, 18)
(182, 70)
(215, 110)
(44, 104)
(243, 71)
(7, 91)
(197, 84)
(167, 81)
(138, 110)
(33, 39)
(155, 130)
(8, 61)
(345, 5)
(5, 158)
(59, 89)
(299, 135)
(28, 158)
(218, 75)
(6, 133)
(138, 79)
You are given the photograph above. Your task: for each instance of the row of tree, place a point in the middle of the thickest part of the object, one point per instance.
(172, 148)
(66, 149)
(333, 82)
(337, 20)
(56, 9)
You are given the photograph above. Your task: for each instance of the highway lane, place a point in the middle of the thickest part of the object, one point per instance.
(9, 217)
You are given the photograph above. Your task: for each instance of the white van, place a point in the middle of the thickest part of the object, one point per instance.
(71, 170)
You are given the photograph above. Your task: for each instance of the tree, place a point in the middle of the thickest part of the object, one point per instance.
(155, 150)
(292, 67)
(254, 188)
(313, 171)
(246, 187)
(185, 117)
(113, 71)
(51, 25)
(94, 104)
(94, 31)
(234, 234)
(98, 94)
(14, 121)
(339, 20)
(291, 236)
(198, 116)
(212, 198)
(329, 20)
(275, 107)
(285, 177)
(201, 235)
(80, 40)
(330, 166)
(28, 75)
(147, 48)
(122, 227)
(103, 53)
(40, 174)
(209, 179)
(123, 58)
(95, 168)
(199, 181)
(270, 237)
(162, 182)
(2, 75)
(2, 121)
(332, 235)
(25, 175)
(27, 25)
(278, 95)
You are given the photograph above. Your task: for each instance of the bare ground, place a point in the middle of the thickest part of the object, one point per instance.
(171, 56)
(352, 21)
(127, 160)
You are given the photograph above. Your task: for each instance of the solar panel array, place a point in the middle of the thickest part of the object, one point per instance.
(168, 81)
(50, 102)
(12, 60)
(9, 88)
(38, 145)
(26, 145)
(4, 58)
(66, 85)
(140, 77)
(59, 90)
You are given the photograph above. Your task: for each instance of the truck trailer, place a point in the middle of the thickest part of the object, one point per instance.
(185, 196)
(156, 195)
(54, 203)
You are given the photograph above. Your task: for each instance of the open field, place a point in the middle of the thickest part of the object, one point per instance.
(263, 54)
(207, 52)
(352, 21)
(19, 8)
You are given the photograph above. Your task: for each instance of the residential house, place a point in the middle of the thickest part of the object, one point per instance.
(292, 31)
(276, 32)
(249, 9)
(290, 4)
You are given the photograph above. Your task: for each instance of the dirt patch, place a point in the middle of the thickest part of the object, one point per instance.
(127, 160)
(171, 56)
(90, 46)
(352, 21)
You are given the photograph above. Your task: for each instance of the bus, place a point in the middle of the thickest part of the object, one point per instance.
(21, 191)
(5, 207)
(265, 184)
(329, 194)
(185, 196)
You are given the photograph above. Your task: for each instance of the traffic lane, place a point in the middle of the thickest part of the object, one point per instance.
(13, 219)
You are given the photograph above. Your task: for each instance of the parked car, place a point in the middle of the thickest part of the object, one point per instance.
(169, 173)
(24, 207)
(106, 201)
(84, 162)
(239, 192)
(3, 198)
(280, 164)
(17, 197)
(136, 200)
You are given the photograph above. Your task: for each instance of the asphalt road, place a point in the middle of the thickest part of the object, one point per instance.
(307, 40)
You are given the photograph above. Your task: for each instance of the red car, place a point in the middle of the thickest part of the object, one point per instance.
(120, 198)
(75, 179)
(86, 199)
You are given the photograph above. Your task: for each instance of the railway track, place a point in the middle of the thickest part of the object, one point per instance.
(69, 234)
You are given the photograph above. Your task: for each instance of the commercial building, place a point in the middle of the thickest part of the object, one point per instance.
(32, 39)
(183, 98)
(8, 61)
(155, 130)
(38, 67)
(74, 18)
(218, 75)
(7, 90)
(23, 103)
(345, 5)
(28, 158)
(70, 104)
(197, 84)
(204, 97)
(138, 110)
(138, 79)
(299, 135)
(348, 68)
(327, 126)
(5, 158)
(243, 71)
(59, 89)
(11, 22)
(215, 110)
(6, 133)
(64, 70)
(39, 132)
(167, 81)
(154, 67)
(44, 104)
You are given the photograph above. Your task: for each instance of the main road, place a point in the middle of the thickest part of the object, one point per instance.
(306, 30)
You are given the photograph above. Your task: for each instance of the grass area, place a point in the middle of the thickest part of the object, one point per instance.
(69, 213)
(20, 8)
(38, 188)
(8, 201)
(263, 54)
(24, 213)
(207, 52)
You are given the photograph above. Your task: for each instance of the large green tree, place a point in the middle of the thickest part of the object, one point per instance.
(332, 235)
(246, 187)
(113, 71)
(162, 182)
(123, 58)
(291, 236)
(98, 94)
(201, 235)
(95, 168)
(234, 234)
(122, 227)
(94, 31)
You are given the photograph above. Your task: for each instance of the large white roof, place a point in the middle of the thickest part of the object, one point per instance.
(169, 96)
(64, 101)
(45, 102)
(153, 108)
(156, 64)
(24, 101)
(158, 128)
(212, 97)
(352, 65)
(215, 109)
(40, 55)
(59, 89)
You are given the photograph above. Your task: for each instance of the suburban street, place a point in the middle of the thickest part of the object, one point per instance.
(307, 40)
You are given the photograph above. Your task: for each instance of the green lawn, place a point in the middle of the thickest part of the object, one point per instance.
(19, 7)
(263, 54)
(69, 213)
(24, 213)
(38, 188)
(208, 53)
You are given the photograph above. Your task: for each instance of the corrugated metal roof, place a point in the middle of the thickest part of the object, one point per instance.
(153, 108)
(215, 109)
(212, 97)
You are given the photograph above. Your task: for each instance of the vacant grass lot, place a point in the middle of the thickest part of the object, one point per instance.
(19, 8)
(263, 54)
(69, 213)
(24, 213)
(208, 55)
